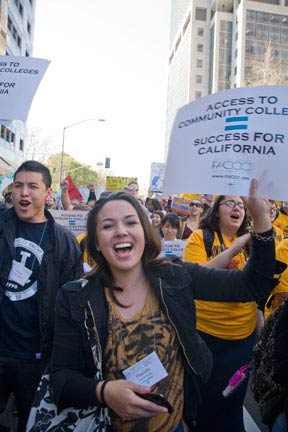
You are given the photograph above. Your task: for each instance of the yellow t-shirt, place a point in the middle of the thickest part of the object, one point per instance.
(279, 235)
(224, 320)
(273, 302)
(81, 239)
(130, 340)
(282, 222)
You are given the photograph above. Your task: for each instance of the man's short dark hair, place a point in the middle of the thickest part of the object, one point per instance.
(37, 167)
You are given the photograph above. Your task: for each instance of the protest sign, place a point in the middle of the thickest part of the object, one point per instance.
(99, 190)
(84, 192)
(19, 80)
(222, 141)
(74, 221)
(173, 247)
(6, 180)
(114, 183)
(157, 176)
(180, 205)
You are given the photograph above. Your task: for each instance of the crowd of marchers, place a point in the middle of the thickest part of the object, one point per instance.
(104, 333)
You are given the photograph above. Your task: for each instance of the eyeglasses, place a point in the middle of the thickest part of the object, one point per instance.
(232, 204)
(193, 204)
(134, 189)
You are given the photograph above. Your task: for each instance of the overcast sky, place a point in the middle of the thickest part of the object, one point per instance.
(109, 59)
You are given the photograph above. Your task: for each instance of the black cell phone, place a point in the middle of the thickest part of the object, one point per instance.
(158, 399)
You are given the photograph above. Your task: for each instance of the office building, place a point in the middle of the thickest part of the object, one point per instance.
(219, 44)
(16, 39)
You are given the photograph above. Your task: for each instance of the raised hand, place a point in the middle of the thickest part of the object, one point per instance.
(64, 185)
(258, 209)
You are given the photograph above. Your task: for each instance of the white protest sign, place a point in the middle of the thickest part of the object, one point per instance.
(172, 247)
(19, 80)
(157, 176)
(5, 180)
(75, 221)
(220, 142)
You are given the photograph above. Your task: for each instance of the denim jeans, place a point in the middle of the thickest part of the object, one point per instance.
(21, 378)
(217, 413)
(280, 424)
(179, 428)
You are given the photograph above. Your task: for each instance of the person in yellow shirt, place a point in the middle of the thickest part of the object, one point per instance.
(279, 235)
(279, 293)
(88, 262)
(282, 219)
(228, 329)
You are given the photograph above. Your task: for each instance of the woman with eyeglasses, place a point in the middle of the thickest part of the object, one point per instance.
(193, 218)
(132, 188)
(227, 328)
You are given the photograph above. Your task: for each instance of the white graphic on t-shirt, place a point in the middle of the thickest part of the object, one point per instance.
(19, 285)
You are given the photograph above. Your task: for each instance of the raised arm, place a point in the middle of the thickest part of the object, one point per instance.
(256, 281)
(65, 198)
(222, 260)
(258, 209)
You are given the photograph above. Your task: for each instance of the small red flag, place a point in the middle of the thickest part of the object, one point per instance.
(72, 190)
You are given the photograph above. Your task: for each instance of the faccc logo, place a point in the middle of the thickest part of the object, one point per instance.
(232, 165)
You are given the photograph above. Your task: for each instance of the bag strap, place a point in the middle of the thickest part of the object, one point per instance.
(93, 338)
(221, 241)
(208, 238)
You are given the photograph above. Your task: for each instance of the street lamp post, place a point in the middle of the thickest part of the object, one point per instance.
(63, 142)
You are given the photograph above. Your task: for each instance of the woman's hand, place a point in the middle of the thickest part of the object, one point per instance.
(258, 209)
(222, 260)
(121, 398)
(239, 244)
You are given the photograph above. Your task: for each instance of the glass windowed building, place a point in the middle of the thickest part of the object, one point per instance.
(215, 44)
(16, 38)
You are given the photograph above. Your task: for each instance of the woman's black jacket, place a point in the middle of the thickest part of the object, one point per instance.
(175, 285)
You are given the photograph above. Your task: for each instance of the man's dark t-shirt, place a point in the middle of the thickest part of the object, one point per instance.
(19, 321)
